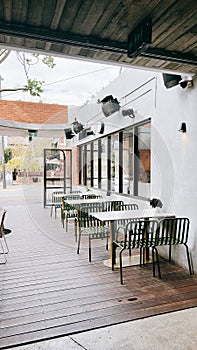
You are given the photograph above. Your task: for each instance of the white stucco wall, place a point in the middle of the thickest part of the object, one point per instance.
(173, 154)
(174, 158)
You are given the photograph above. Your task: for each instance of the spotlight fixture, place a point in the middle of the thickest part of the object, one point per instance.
(128, 112)
(77, 127)
(110, 105)
(186, 83)
(171, 80)
(183, 127)
(69, 133)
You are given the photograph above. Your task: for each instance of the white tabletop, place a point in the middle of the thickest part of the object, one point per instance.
(130, 214)
(82, 201)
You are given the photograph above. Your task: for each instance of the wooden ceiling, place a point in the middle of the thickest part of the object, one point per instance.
(99, 29)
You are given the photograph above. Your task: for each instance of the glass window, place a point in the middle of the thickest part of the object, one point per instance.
(144, 161)
(115, 162)
(123, 158)
(104, 163)
(88, 164)
(95, 163)
(128, 161)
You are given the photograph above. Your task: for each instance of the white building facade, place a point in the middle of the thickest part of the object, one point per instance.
(144, 155)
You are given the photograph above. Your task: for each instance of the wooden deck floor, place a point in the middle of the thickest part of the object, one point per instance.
(47, 290)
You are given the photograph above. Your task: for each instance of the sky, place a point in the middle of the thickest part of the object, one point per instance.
(71, 82)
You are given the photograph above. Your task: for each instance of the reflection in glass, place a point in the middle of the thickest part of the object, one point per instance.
(128, 162)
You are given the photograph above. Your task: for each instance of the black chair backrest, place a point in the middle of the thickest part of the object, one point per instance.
(140, 233)
(173, 231)
(87, 220)
(67, 206)
(91, 196)
(58, 199)
(131, 206)
(112, 205)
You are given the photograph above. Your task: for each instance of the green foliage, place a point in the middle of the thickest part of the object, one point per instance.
(7, 154)
(49, 61)
(34, 87)
(15, 163)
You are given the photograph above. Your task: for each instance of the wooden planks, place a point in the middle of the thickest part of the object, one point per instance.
(47, 290)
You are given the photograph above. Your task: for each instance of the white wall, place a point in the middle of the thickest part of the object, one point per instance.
(174, 161)
(173, 156)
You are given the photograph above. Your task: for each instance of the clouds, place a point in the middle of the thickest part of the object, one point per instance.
(71, 82)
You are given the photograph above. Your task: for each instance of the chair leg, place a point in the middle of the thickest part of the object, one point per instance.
(66, 224)
(107, 241)
(51, 213)
(4, 254)
(79, 241)
(113, 255)
(170, 253)
(75, 230)
(188, 259)
(120, 261)
(7, 249)
(153, 260)
(90, 255)
(158, 266)
(141, 254)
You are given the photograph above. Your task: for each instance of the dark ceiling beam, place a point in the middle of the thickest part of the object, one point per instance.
(56, 37)
(172, 56)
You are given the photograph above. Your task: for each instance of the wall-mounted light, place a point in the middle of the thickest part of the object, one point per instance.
(69, 133)
(77, 126)
(171, 80)
(183, 127)
(110, 105)
(129, 112)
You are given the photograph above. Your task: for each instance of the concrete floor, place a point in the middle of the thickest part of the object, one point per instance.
(173, 331)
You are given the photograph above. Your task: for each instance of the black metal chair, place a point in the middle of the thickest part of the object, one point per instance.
(68, 211)
(91, 227)
(56, 202)
(3, 242)
(138, 234)
(171, 232)
(122, 223)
